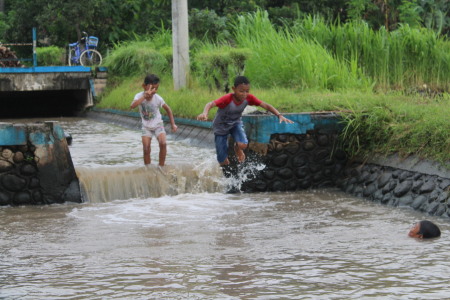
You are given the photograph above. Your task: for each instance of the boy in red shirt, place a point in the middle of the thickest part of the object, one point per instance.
(228, 119)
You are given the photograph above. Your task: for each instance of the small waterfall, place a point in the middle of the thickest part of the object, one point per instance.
(119, 183)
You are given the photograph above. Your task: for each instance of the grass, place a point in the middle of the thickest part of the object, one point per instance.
(285, 58)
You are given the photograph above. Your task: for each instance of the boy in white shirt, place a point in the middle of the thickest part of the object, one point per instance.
(149, 103)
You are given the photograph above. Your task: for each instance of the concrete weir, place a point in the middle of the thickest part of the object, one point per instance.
(35, 165)
(307, 155)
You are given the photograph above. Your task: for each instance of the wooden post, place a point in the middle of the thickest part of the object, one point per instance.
(180, 42)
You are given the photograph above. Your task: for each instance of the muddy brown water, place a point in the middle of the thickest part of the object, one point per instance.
(144, 235)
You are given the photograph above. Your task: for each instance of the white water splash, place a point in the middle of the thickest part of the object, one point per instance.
(245, 171)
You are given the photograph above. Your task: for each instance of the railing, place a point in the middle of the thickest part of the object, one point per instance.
(33, 59)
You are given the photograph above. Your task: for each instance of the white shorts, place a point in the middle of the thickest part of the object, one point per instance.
(146, 131)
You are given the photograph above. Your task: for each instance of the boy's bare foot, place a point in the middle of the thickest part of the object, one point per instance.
(226, 162)
(239, 153)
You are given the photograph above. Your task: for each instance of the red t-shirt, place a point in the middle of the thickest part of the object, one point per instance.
(223, 101)
(229, 113)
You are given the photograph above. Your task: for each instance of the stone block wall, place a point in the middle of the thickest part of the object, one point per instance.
(427, 193)
(35, 165)
(19, 181)
(297, 161)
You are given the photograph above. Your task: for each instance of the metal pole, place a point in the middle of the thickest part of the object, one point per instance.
(180, 43)
(34, 48)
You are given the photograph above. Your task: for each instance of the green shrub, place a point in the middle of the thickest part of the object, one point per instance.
(206, 24)
(50, 56)
(217, 65)
(137, 57)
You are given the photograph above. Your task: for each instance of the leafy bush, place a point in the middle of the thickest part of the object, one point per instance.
(218, 65)
(206, 24)
(135, 58)
(50, 56)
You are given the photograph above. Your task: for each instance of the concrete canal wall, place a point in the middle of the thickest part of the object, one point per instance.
(35, 165)
(307, 155)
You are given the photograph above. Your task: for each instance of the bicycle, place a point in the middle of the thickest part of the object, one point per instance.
(84, 52)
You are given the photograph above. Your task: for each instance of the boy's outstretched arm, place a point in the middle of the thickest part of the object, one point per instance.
(171, 118)
(204, 115)
(273, 110)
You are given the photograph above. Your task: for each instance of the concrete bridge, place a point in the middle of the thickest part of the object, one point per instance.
(48, 91)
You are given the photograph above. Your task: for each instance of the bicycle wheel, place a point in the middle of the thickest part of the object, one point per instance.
(72, 56)
(90, 58)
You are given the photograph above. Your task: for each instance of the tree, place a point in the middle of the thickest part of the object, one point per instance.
(436, 15)
(409, 13)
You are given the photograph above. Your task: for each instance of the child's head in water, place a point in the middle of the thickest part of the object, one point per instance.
(424, 230)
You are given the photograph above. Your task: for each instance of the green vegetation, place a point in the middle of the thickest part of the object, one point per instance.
(285, 58)
(136, 58)
(403, 58)
(50, 56)
(384, 64)
(113, 21)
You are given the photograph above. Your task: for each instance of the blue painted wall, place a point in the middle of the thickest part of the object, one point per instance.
(17, 134)
(259, 128)
(11, 135)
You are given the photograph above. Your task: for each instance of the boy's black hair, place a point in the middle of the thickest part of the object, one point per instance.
(151, 79)
(241, 80)
(429, 229)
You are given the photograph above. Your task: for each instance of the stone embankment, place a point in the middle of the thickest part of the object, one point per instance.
(296, 162)
(426, 190)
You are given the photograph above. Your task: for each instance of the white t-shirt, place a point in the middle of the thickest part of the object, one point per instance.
(149, 110)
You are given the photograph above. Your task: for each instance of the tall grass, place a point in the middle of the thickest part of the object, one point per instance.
(405, 58)
(284, 58)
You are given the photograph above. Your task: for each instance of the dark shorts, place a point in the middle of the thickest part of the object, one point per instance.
(238, 134)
